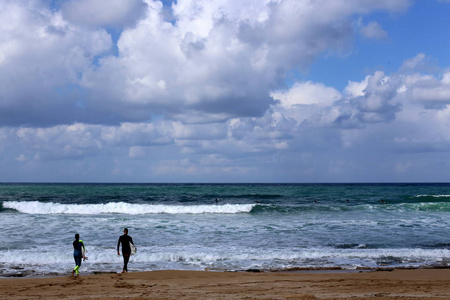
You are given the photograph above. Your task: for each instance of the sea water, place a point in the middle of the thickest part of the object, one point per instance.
(224, 227)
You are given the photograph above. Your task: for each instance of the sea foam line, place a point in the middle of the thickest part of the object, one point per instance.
(149, 255)
(434, 196)
(36, 207)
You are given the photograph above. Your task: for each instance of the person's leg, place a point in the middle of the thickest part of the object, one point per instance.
(77, 265)
(126, 258)
(73, 271)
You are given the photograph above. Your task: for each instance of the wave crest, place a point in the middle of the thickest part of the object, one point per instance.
(36, 207)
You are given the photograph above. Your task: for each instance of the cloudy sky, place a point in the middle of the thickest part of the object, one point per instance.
(224, 90)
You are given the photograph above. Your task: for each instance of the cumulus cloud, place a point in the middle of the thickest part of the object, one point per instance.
(205, 93)
(218, 60)
(41, 59)
(214, 60)
(98, 13)
(306, 93)
(378, 98)
(380, 114)
(432, 92)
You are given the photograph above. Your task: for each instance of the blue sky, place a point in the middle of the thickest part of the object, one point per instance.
(224, 91)
(421, 29)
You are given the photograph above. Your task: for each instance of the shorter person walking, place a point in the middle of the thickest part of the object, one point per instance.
(125, 240)
(78, 253)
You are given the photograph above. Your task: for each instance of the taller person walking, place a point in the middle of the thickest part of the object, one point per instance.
(125, 240)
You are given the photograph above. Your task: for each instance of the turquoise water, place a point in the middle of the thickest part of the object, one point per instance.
(224, 226)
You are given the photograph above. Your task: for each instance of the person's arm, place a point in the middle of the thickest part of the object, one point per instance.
(131, 240)
(118, 245)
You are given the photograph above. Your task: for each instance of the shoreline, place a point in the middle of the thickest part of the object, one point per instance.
(171, 284)
(291, 270)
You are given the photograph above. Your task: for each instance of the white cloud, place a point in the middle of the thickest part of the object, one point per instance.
(356, 89)
(307, 93)
(373, 30)
(446, 78)
(196, 96)
(113, 13)
(219, 59)
(41, 59)
(413, 63)
(378, 98)
(215, 60)
(434, 94)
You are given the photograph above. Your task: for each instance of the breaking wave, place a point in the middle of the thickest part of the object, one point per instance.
(36, 207)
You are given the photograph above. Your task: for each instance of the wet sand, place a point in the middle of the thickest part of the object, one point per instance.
(397, 284)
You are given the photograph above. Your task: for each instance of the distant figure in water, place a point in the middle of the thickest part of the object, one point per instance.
(125, 239)
(382, 201)
(78, 254)
(217, 200)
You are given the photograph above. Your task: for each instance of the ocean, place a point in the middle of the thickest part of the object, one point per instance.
(224, 227)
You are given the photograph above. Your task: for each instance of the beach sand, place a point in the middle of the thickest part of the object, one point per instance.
(396, 284)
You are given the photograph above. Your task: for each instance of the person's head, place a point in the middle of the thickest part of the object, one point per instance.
(125, 230)
(77, 236)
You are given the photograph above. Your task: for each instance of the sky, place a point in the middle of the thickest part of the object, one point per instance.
(219, 91)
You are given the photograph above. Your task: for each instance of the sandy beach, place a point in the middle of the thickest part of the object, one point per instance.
(396, 284)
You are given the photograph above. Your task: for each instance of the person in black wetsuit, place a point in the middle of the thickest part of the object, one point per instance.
(125, 239)
(78, 253)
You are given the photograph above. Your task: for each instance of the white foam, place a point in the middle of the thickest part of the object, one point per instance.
(105, 259)
(434, 196)
(36, 207)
